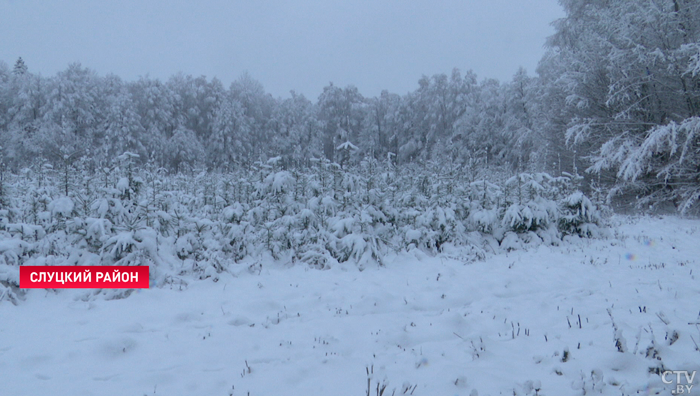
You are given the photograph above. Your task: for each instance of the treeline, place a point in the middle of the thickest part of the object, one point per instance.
(188, 122)
(616, 98)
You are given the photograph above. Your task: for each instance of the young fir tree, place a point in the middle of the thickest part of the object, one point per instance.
(20, 67)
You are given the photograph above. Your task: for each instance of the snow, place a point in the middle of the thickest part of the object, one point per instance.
(123, 185)
(537, 321)
(61, 206)
(347, 146)
(413, 235)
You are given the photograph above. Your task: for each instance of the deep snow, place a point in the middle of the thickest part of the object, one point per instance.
(424, 326)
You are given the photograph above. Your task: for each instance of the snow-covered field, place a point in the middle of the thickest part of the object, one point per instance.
(536, 322)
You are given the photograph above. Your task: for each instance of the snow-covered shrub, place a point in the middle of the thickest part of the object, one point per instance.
(529, 206)
(532, 216)
(442, 226)
(134, 247)
(9, 284)
(61, 207)
(97, 232)
(13, 251)
(579, 216)
(235, 240)
(484, 220)
(321, 216)
(184, 246)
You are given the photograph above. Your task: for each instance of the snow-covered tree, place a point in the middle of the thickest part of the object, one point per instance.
(184, 151)
(232, 137)
(341, 117)
(122, 130)
(20, 67)
(626, 71)
(294, 130)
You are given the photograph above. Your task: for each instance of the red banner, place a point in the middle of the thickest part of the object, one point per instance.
(83, 277)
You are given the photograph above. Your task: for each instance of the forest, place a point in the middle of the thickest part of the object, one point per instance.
(114, 169)
(616, 99)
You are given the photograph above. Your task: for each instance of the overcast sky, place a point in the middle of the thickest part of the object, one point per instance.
(286, 45)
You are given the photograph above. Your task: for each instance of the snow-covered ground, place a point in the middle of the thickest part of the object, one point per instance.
(540, 321)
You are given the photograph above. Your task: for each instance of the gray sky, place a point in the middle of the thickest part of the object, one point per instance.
(300, 45)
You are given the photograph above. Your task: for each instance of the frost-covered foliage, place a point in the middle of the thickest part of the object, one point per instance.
(185, 122)
(617, 93)
(623, 84)
(579, 216)
(321, 215)
(664, 165)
